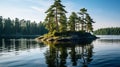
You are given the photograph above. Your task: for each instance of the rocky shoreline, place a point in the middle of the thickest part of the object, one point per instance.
(70, 38)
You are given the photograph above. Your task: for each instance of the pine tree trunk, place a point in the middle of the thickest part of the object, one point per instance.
(56, 20)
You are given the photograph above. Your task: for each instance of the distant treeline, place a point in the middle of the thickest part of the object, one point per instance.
(108, 31)
(20, 27)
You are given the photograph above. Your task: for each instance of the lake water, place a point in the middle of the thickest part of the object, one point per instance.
(103, 52)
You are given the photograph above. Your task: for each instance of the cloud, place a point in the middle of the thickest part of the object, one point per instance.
(35, 10)
(38, 8)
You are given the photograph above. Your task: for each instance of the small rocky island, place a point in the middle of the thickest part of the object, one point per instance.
(78, 27)
(67, 37)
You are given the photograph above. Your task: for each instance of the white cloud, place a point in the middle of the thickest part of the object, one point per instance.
(38, 9)
(26, 9)
(30, 9)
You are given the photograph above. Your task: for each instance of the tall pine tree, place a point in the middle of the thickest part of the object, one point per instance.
(73, 19)
(54, 16)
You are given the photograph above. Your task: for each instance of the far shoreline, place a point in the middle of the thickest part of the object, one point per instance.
(18, 36)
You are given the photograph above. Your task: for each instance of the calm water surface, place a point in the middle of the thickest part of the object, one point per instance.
(103, 52)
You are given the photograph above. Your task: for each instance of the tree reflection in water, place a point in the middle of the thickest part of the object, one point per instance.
(80, 54)
(17, 45)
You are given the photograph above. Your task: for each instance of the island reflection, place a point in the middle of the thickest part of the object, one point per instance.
(56, 55)
(69, 54)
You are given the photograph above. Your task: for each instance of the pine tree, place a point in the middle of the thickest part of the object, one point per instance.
(83, 12)
(53, 15)
(63, 23)
(89, 21)
(72, 21)
(1, 25)
(17, 25)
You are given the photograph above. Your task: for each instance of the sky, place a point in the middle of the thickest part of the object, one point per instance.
(106, 13)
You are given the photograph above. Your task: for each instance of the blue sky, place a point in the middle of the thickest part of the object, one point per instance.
(106, 13)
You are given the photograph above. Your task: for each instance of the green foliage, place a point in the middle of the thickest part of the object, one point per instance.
(89, 22)
(56, 18)
(63, 23)
(1, 25)
(7, 26)
(72, 21)
(83, 12)
(108, 31)
(21, 27)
